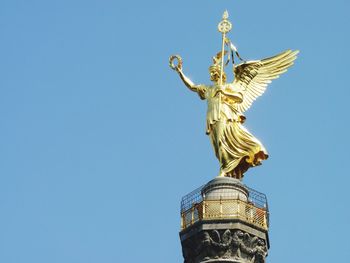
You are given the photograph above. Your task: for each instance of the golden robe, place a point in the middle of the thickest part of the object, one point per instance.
(236, 149)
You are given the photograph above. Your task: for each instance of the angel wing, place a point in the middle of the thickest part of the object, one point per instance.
(252, 77)
(215, 235)
(226, 236)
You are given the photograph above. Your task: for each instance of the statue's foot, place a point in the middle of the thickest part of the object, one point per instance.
(221, 174)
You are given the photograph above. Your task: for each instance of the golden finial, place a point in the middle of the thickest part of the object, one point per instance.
(225, 26)
(225, 15)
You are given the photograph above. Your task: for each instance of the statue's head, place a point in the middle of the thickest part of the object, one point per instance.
(215, 69)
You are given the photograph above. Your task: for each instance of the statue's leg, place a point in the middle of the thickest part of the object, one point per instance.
(220, 129)
(216, 137)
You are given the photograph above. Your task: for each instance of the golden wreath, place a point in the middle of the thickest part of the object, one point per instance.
(177, 66)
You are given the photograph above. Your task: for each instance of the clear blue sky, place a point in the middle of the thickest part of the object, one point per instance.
(99, 139)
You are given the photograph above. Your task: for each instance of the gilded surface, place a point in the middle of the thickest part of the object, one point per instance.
(225, 209)
(235, 147)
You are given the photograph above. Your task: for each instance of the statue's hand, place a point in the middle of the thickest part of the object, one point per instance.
(219, 90)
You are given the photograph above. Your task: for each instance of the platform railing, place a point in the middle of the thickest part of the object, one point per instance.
(225, 209)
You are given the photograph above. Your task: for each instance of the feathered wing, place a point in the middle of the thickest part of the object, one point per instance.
(226, 236)
(252, 77)
(215, 236)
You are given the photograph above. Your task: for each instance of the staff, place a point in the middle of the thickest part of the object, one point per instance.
(224, 27)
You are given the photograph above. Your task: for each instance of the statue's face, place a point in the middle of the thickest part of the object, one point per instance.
(215, 76)
(261, 242)
(239, 233)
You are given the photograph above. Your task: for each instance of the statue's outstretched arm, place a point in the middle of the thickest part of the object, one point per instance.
(200, 89)
(189, 84)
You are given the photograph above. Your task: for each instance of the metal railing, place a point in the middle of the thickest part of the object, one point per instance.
(225, 209)
(223, 205)
(254, 197)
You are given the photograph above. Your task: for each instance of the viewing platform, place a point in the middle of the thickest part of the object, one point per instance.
(225, 199)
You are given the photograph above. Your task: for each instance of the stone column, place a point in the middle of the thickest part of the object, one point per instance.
(228, 226)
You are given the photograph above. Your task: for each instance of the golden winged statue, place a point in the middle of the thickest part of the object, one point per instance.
(235, 147)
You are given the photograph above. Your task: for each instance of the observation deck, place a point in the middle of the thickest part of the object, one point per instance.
(225, 199)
